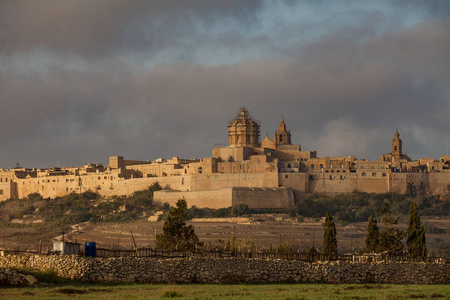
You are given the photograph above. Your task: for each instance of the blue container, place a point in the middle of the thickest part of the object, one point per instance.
(90, 250)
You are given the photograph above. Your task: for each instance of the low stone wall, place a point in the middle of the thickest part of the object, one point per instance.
(11, 277)
(229, 270)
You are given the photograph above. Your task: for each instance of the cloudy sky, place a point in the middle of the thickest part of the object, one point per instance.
(82, 80)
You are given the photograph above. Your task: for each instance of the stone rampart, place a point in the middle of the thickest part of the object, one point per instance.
(229, 270)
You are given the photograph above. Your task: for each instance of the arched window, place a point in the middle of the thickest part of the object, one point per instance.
(289, 165)
(281, 138)
(321, 166)
(363, 174)
(312, 167)
(383, 175)
(395, 148)
(200, 170)
(374, 174)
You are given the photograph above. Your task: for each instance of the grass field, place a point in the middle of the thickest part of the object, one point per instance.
(240, 291)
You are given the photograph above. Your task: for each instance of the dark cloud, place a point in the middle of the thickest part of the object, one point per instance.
(106, 26)
(70, 94)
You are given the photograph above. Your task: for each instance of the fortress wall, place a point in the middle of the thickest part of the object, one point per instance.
(373, 185)
(264, 197)
(323, 184)
(298, 182)
(5, 190)
(104, 184)
(211, 199)
(222, 198)
(399, 181)
(220, 181)
(439, 182)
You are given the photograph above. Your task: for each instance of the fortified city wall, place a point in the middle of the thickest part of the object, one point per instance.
(229, 270)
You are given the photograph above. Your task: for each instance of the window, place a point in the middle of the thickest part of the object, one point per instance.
(374, 174)
(182, 181)
(341, 176)
(342, 166)
(395, 148)
(281, 138)
(372, 167)
(331, 177)
(303, 167)
(331, 166)
(200, 170)
(362, 167)
(285, 176)
(363, 174)
(289, 165)
(1, 192)
(383, 175)
(321, 166)
(312, 167)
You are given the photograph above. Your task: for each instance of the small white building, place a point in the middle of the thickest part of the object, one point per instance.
(66, 248)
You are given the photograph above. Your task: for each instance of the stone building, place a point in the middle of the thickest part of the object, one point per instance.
(263, 174)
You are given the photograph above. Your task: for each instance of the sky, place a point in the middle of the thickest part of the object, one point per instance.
(83, 80)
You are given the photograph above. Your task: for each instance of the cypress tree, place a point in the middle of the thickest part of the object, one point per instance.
(329, 236)
(372, 236)
(415, 241)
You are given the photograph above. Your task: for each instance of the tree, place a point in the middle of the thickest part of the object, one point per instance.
(329, 236)
(415, 241)
(372, 236)
(391, 239)
(176, 234)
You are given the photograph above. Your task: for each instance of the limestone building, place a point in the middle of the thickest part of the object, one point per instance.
(270, 173)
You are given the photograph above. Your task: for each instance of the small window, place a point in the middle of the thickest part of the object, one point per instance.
(363, 174)
(289, 165)
(331, 166)
(374, 174)
(321, 166)
(182, 181)
(1, 192)
(383, 175)
(331, 177)
(341, 176)
(342, 166)
(362, 167)
(200, 170)
(312, 167)
(372, 167)
(285, 176)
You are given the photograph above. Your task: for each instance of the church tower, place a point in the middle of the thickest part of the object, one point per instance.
(282, 136)
(243, 131)
(397, 145)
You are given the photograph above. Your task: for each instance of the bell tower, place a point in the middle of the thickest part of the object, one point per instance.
(397, 145)
(282, 136)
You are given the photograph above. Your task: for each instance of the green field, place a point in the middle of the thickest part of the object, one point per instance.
(239, 291)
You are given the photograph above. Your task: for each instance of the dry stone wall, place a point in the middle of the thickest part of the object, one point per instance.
(228, 270)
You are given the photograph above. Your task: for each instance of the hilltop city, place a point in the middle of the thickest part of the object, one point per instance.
(268, 173)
